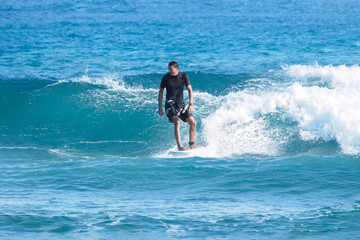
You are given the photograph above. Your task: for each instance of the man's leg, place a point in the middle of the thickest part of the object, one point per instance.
(176, 122)
(192, 130)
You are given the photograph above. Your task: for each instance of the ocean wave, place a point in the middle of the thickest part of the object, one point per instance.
(300, 109)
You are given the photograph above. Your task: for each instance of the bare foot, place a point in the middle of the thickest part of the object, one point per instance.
(195, 146)
(181, 148)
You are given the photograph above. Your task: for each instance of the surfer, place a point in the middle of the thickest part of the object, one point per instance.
(175, 107)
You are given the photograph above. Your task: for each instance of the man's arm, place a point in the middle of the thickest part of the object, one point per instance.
(160, 97)
(191, 99)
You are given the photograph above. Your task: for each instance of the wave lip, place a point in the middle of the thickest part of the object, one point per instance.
(110, 82)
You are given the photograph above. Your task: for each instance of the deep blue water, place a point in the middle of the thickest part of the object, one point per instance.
(84, 154)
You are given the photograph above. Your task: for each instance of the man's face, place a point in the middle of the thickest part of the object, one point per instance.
(173, 70)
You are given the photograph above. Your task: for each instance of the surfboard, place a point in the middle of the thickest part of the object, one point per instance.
(184, 153)
(180, 153)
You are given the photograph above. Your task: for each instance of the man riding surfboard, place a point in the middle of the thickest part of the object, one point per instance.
(175, 107)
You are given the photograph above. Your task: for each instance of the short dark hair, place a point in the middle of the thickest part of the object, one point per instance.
(174, 63)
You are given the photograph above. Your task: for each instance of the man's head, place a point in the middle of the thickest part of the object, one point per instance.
(173, 68)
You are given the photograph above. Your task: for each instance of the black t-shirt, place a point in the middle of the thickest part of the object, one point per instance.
(175, 86)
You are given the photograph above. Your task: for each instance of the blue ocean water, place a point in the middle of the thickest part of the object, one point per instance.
(84, 154)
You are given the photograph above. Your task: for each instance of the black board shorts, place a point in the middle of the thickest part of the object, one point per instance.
(173, 108)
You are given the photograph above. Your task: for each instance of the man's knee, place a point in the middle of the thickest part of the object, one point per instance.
(176, 121)
(191, 121)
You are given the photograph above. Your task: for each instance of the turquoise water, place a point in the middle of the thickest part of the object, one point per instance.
(84, 154)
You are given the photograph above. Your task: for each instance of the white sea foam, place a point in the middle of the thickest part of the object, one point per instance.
(235, 128)
(328, 110)
(111, 82)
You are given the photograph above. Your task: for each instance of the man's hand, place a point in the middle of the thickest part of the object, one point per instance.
(191, 109)
(160, 97)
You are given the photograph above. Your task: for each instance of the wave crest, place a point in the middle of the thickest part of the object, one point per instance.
(244, 123)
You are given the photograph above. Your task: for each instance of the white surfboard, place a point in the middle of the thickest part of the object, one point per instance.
(175, 152)
(180, 153)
